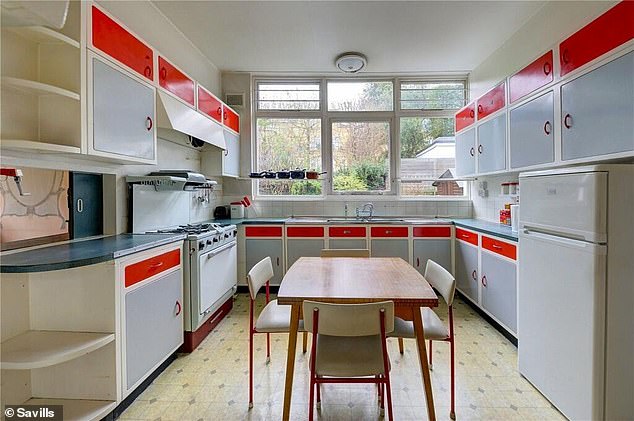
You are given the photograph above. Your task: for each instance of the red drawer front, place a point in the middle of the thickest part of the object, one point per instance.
(499, 247)
(465, 117)
(389, 232)
(491, 102)
(347, 231)
(114, 40)
(432, 232)
(209, 104)
(263, 231)
(532, 77)
(608, 31)
(144, 269)
(175, 81)
(305, 232)
(232, 120)
(469, 237)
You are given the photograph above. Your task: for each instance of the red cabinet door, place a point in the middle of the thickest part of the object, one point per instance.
(232, 119)
(467, 236)
(144, 269)
(500, 247)
(209, 104)
(436, 232)
(173, 80)
(401, 232)
(491, 102)
(347, 232)
(608, 31)
(118, 43)
(532, 77)
(260, 231)
(465, 117)
(317, 232)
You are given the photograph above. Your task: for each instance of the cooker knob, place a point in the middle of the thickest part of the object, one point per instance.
(201, 245)
(226, 235)
(208, 242)
(215, 239)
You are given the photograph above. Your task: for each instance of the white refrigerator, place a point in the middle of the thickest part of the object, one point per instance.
(576, 289)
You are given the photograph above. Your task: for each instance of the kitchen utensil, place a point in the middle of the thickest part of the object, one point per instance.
(237, 210)
(298, 174)
(284, 174)
(257, 174)
(314, 175)
(269, 174)
(246, 200)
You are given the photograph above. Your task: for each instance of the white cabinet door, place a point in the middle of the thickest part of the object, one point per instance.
(347, 243)
(257, 249)
(390, 248)
(467, 269)
(492, 145)
(465, 153)
(296, 248)
(532, 132)
(499, 288)
(231, 156)
(597, 111)
(437, 250)
(123, 114)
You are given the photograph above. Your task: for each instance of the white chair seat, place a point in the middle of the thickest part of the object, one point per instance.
(434, 328)
(275, 318)
(349, 356)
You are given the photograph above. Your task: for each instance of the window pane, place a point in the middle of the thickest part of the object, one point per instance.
(432, 95)
(289, 143)
(360, 96)
(428, 157)
(288, 96)
(360, 156)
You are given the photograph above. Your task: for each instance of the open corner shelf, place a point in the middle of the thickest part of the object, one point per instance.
(39, 147)
(78, 409)
(44, 35)
(37, 88)
(39, 348)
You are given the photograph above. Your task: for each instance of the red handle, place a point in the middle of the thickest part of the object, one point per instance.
(480, 109)
(568, 121)
(484, 281)
(474, 275)
(219, 111)
(148, 124)
(163, 72)
(226, 116)
(547, 127)
(547, 68)
(417, 262)
(148, 72)
(472, 113)
(565, 57)
(179, 308)
(472, 152)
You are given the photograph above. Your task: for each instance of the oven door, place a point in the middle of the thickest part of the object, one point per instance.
(218, 274)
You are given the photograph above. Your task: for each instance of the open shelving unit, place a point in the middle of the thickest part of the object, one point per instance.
(78, 409)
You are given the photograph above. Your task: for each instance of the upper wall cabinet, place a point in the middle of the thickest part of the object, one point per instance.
(465, 117)
(532, 134)
(532, 77)
(209, 104)
(466, 153)
(117, 42)
(173, 80)
(492, 145)
(231, 119)
(492, 101)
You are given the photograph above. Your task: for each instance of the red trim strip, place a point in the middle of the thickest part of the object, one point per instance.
(144, 269)
(467, 236)
(263, 231)
(305, 232)
(432, 232)
(499, 247)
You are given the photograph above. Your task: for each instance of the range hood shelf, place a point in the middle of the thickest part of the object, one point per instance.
(169, 183)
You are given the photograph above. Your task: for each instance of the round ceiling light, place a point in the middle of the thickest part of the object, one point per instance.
(351, 62)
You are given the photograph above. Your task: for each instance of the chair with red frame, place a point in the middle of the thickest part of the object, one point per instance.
(273, 318)
(349, 346)
(435, 329)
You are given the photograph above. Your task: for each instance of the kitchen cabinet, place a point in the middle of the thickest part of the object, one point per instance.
(85, 203)
(532, 133)
(354, 237)
(492, 101)
(492, 145)
(390, 241)
(465, 117)
(438, 250)
(173, 80)
(498, 277)
(597, 111)
(465, 153)
(209, 104)
(304, 247)
(117, 42)
(231, 119)
(257, 249)
(467, 268)
(121, 114)
(231, 155)
(532, 77)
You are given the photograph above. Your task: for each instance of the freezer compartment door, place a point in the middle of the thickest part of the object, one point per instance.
(572, 205)
(561, 321)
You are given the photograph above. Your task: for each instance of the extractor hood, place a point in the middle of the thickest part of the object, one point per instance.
(171, 114)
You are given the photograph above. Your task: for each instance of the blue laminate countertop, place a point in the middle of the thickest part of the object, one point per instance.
(487, 227)
(250, 221)
(82, 252)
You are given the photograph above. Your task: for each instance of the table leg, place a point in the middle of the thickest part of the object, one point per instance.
(290, 361)
(424, 365)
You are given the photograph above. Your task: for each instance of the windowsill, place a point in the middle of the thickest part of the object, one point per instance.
(360, 198)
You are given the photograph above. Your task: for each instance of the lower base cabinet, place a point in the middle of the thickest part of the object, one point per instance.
(499, 288)
(467, 269)
(390, 248)
(437, 250)
(302, 248)
(257, 249)
(347, 243)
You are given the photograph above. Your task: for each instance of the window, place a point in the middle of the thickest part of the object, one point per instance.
(360, 156)
(288, 143)
(360, 96)
(432, 95)
(288, 96)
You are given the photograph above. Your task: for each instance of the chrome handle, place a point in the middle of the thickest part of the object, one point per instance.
(80, 205)
(221, 249)
(495, 246)
(347, 232)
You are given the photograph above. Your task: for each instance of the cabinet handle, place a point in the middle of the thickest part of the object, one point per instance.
(347, 232)
(568, 121)
(472, 152)
(474, 275)
(480, 108)
(480, 148)
(547, 68)
(149, 123)
(148, 72)
(495, 246)
(163, 73)
(417, 262)
(226, 152)
(471, 113)
(565, 56)
(547, 127)
(179, 308)
(156, 265)
(219, 110)
(277, 261)
(464, 235)
(484, 281)
(80, 205)
(388, 231)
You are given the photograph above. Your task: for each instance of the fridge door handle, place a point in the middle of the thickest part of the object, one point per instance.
(570, 242)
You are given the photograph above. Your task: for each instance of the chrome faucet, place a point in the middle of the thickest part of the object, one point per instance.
(365, 212)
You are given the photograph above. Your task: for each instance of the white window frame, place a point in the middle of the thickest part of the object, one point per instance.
(327, 117)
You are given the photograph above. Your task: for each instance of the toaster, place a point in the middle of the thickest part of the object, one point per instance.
(222, 212)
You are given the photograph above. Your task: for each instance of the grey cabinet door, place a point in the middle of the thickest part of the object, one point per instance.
(437, 250)
(532, 132)
(499, 296)
(348, 243)
(153, 324)
(467, 269)
(258, 249)
(123, 113)
(597, 111)
(231, 156)
(296, 248)
(492, 145)
(465, 153)
(390, 248)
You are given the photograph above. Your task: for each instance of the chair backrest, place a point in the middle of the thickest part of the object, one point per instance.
(441, 279)
(349, 319)
(345, 253)
(261, 272)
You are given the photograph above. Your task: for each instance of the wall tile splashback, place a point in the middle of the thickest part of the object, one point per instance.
(489, 207)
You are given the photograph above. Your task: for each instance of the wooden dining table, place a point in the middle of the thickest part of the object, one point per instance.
(353, 280)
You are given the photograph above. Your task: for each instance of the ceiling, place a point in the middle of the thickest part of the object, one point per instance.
(306, 36)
